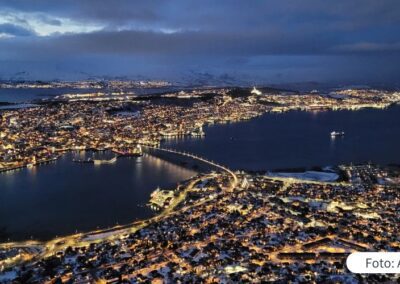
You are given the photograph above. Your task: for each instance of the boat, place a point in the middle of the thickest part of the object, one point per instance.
(198, 132)
(100, 162)
(88, 160)
(337, 133)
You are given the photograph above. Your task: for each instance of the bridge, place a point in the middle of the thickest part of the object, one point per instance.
(234, 181)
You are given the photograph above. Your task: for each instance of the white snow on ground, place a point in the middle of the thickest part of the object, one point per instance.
(95, 236)
(308, 175)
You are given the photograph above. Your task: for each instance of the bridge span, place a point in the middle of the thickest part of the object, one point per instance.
(234, 178)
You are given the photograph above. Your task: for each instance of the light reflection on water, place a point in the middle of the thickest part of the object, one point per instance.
(301, 139)
(62, 197)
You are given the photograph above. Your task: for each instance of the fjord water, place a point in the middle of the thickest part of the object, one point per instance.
(21, 95)
(301, 139)
(62, 197)
(58, 198)
(24, 95)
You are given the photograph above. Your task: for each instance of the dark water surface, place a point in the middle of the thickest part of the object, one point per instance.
(21, 95)
(301, 139)
(58, 198)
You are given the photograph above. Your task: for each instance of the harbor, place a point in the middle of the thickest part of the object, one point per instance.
(131, 152)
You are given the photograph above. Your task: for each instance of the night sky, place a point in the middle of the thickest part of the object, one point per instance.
(348, 41)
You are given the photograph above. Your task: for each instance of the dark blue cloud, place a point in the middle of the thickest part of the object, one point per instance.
(355, 40)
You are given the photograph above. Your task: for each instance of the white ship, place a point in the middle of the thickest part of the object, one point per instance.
(100, 162)
(337, 133)
(198, 132)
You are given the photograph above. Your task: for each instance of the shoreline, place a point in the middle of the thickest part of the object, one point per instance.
(46, 248)
(94, 149)
(208, 123)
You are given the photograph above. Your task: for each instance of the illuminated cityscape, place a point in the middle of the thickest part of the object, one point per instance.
(40, 134)
(215, 226)
(199, 141)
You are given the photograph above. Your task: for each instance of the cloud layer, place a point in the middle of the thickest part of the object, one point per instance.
(260, 40)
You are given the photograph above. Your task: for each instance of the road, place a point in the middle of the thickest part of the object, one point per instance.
(60, 244)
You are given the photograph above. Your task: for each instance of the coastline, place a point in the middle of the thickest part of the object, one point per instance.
(63, 151)
(207, 123)
(100, 235)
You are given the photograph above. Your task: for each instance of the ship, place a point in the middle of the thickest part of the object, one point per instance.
(95, 161)
(198, 132)
(101, 162)
(88, 160)
(337, 133)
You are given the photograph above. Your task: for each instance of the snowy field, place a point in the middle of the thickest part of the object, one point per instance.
(308, 175)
